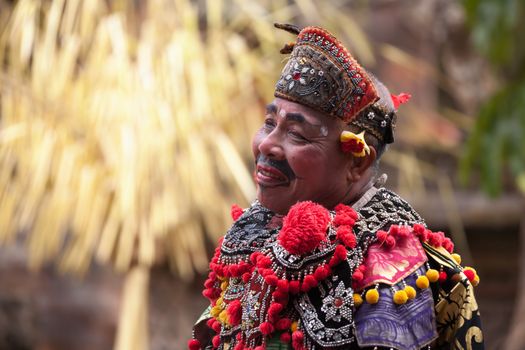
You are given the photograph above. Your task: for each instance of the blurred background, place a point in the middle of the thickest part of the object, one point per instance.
(125, 132)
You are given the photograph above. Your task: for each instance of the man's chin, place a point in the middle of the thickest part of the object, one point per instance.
(272, 199)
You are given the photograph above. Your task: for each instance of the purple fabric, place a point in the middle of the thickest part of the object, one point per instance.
(410, 326)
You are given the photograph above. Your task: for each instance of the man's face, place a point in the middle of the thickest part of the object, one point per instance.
(298, 157)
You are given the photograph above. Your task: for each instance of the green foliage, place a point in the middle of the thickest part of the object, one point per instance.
(496, 28)
(498, 138)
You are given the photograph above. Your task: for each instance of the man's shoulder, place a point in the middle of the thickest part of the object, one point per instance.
(383, 208)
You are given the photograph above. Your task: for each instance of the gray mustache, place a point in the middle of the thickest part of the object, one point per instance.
(281, 165)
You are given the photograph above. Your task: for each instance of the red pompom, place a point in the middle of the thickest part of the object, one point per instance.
(216, 326)
(381, 236)
(234, 270)
(442, 276)
(283, 324)
(286, 337)
(280, 296)
(264, 262)
(209, 283)
(274, 310)
(246, 277)
(219, 270)
(214, 293)
(418, 228)
(265, 272)
(343, 220)
(227, 272)
(271, 279)
(308, 283)
(266, 328)
(216, 341)
(403, 231)
(254, 257)
(208, 293)
(304, 227)
(390, 242)
(239, 346)
(321, 273)
(436, 239)
(243, 267)
(357, 275)
(282, 286)
(210, 322)
(470, 274)
(339, 255)
(294, 287)
(421, 232)
(344, 215)
(448, 245)
(260, 347)
(234, 312)
(346, 209)
(346, 236)
(236, 212)
(393, 230)
(297, 339)
(194, 344)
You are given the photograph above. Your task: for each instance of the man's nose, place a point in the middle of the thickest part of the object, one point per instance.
(271, 146)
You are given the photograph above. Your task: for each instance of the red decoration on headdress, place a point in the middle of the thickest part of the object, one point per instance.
(400, 99)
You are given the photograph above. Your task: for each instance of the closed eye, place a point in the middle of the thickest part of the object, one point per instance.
(269, 124)
(297, 136)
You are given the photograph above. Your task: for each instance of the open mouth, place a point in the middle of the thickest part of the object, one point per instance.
(270, 176)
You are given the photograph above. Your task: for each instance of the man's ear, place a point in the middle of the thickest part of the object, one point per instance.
(359, 165)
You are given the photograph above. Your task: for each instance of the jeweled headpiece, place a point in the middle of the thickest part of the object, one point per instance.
(323, 75)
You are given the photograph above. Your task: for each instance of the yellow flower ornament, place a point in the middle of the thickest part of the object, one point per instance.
(354, 143)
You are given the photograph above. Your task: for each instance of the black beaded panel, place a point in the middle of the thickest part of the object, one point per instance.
(384, 209)
(250, 232)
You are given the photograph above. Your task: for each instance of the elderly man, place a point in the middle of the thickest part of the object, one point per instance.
(326, 258)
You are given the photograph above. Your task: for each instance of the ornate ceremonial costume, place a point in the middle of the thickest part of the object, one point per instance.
(369, 274)
(252, 272)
